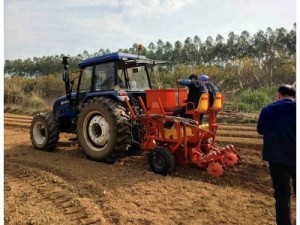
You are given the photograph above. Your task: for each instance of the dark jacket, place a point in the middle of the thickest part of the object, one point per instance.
(196, 89)
(277, 123)
(212, 90)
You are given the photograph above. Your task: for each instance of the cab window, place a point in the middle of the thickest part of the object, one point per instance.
(138, 78)
(86, 79)
(104, 76)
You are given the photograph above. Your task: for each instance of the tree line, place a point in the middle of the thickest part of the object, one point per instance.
(265, 56)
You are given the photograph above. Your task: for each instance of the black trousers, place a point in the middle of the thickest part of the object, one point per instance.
(281, 175)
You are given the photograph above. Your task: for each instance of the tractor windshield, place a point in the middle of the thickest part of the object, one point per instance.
(137, 78)
(134, 74)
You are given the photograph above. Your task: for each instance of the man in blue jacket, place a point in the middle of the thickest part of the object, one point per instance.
(277, 124)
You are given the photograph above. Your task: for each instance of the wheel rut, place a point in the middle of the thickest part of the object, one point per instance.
(50, 193)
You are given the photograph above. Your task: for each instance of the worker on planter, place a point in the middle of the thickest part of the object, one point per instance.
(196, 89)
(277, 124)
(212, 90)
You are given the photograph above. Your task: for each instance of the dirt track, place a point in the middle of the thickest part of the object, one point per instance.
(64, 187)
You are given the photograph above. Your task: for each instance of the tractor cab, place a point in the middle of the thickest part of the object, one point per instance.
(115, 73)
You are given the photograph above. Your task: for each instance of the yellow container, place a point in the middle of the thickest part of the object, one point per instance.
(172, 132)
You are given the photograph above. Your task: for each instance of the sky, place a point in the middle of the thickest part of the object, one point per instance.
(35, 28)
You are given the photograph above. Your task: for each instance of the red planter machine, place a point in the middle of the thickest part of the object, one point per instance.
(187, 142)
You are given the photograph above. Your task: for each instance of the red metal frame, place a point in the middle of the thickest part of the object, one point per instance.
(191, 143)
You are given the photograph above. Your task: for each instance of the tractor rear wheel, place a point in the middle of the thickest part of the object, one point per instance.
(161, 161)
(44, 132)
(103, 128)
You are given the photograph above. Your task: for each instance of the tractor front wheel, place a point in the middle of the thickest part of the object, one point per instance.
(161, 161)
(44, 132)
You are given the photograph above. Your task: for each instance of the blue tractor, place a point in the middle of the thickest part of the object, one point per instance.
(95, 109)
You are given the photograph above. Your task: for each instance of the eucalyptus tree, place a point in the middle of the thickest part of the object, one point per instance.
(10, 68)
(244, 45)
(168, 51)
(189, 52)
(219, 50)
(281, 41)
(160, 49)
(197, 42)
(207, 51)
(232, 46)
(85, 54)
(151, 50)
(176, 56)
(285, 45)
(260, 45)
(291, 41)
(99, 52)
(236, 52)
(270, 60)
(133, 49)
(123, 50)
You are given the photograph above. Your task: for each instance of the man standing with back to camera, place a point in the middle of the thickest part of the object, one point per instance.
(277, 123)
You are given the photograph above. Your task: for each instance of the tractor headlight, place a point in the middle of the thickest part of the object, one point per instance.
(123, 95)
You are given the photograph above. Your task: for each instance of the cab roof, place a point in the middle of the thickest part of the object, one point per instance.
(119, 56)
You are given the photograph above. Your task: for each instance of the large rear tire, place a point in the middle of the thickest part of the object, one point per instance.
(103, 128)
(44, 132)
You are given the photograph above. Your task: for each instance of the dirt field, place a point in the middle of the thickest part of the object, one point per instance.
(64, 187)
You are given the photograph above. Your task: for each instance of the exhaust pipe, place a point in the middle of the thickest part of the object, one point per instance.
(66, 78)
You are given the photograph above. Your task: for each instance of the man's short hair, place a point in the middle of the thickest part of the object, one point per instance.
(193, 76)
(287, 90)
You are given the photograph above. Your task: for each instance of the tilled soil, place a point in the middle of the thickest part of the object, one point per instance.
(64, 187)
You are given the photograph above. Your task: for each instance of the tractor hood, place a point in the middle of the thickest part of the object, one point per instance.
(63, 99)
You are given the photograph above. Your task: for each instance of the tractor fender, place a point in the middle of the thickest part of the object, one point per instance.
(114, 95)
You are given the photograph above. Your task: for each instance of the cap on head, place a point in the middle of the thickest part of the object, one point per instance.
(203, 77)
(193, 76)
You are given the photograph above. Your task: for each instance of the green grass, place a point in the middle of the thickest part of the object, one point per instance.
(24, 95)
(250, 100)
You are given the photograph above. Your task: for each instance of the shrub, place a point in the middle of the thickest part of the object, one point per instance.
(50, 86)
(251, 100)
(13, 97)
(257, 98)
(34, 101)
(13, 90)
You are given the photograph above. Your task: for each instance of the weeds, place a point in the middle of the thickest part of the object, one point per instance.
(250, 100)
(31, 94)
(38, 94)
